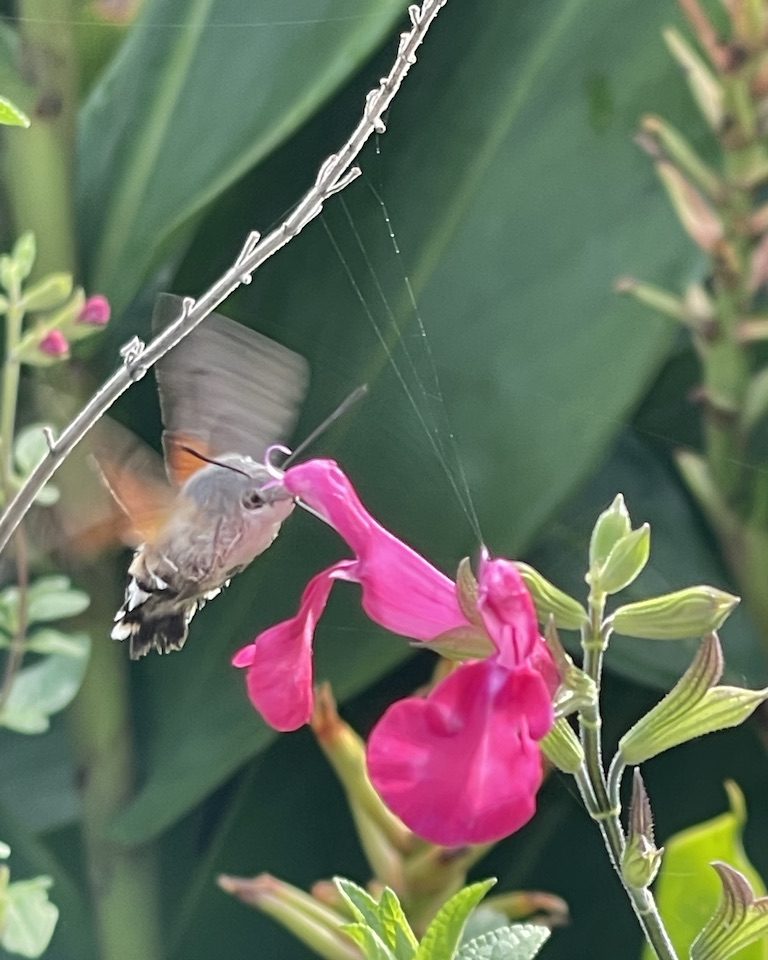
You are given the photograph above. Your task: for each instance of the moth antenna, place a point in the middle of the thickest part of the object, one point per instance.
(216, 463)
(350, 401)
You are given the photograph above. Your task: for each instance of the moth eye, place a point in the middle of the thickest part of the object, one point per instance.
(252, 500)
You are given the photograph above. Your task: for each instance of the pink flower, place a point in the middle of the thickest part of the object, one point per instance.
(401, 591)
(461, 765)
(55, 344)
(96, 311)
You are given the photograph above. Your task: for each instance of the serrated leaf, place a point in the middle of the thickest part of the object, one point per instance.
(30, 917)
(444, 933)
(11, 115)
(688, 889)
(372, 945)
(520, 941)
(385, 917)
(45, 687)
(54, 598)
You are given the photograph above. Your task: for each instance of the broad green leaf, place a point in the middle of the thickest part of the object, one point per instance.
(689, 890)
(183, 98)
(520, 941)
(54, 598)
(29, 918)
(514, 284)
(48, 640)
(44, 688)
(443, 935)
(11, 115)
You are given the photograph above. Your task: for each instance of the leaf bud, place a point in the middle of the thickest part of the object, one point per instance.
(47, 293)
(562, 748)
(611, 526)
(693, 707)
(550, 601)
(685, 613)
(624, 563)
(641, 859)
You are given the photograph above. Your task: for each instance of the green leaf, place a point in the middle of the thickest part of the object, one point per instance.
(53, 598)
(48, 293)
(688, 889)
(521, 941)
(24, 253)
(143, 119)
(443, 935)
(47, 641)
(29, 919)
(385, 917)
(45, 688)
(372, 945)
(29, 449)
(11, 115)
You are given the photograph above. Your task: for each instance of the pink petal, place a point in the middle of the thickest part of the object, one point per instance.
(401, 590)
(507, 611)
(279, 661)
(462, 765)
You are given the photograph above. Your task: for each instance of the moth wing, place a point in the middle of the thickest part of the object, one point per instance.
(225, 389)
(133, 475)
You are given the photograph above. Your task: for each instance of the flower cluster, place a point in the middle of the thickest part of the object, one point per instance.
(461, 765)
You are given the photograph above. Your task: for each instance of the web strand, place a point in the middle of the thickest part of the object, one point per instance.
(412, 400)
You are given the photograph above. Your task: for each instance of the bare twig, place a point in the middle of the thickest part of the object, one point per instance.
(336, 173)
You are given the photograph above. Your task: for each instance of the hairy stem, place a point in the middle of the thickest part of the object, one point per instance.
(334, 175)
(601, 797)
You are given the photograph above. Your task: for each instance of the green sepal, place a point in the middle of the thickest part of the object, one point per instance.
(694, 707)
(685, 613)
(562, 748)
(740, 920)
(549, 600)
(624, 563)
(612, 525)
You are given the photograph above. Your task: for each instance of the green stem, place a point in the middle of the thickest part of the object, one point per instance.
(601, 797)
(39, 173)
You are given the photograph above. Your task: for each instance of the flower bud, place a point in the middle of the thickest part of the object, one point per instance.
(698, 218)
(95, 312)
(641, 859)
(654, 297)
(692, 708)
(611, 526)
(625, 562)
(740, 919)
(383, 837)
(549, 601)
(685, 613)
(315, 924)
(48, 293)
(562, 748)
(704, 86)
(54, 344)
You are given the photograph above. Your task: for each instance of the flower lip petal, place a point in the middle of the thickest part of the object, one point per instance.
(462, 765)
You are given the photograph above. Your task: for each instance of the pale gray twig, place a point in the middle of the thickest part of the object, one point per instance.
(336, 173)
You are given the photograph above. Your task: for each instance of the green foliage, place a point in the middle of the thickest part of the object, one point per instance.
(27, 917)
(11, 115)
(689, 889)
(383, 932)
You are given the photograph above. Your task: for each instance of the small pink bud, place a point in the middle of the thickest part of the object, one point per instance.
(96, 311)
(55, 344)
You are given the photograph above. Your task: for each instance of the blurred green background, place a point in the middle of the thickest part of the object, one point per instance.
(516, 197)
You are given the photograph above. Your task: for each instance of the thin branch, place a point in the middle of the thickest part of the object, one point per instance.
(336, 173)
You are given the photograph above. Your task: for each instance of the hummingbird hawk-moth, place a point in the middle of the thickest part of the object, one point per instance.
(227, 394)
